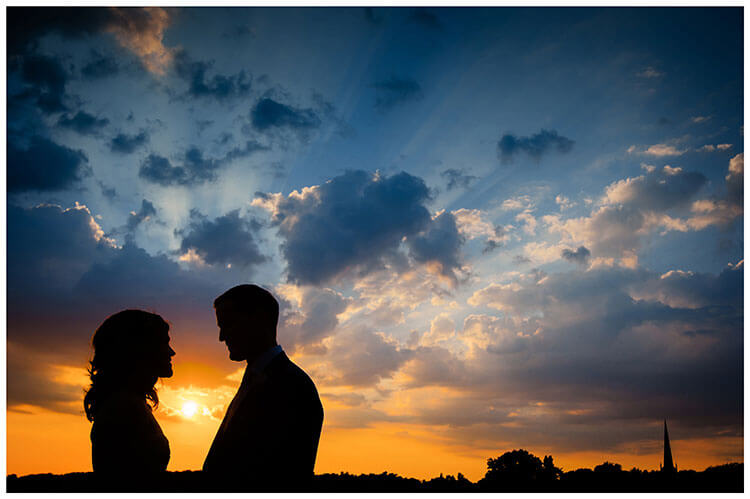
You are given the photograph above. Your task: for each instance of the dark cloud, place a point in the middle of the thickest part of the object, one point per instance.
(425, 18)
(159, 170)
(521, 260)
(658, 190)
(394, 91)
(26, 24)
(457, 178)
(83, 123)
(107, 192)
(64, 277)
(46, 79)
(50, 245)
(38, 386)
(316, 319)
(580, 256)
(735, 180)
(127, 144)
(535, 146)
(570, 341)
(199, 168)
(100, 66)
(146, 212)
(492, 244)
(195, 168)
(228, 239)
(360, 357)
(218, 86)
(250, 147)
(352, 223)
(269, 114)
(44, 166)
(440, 243)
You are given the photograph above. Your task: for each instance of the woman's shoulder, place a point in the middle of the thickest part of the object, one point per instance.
(122, 407)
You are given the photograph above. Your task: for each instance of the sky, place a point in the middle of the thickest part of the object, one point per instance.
(488, 228)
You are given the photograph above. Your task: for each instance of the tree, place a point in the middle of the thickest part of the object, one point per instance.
(513, 467)
(550, 471)
(607, 467)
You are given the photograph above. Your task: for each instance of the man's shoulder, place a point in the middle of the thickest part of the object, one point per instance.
(287, 372)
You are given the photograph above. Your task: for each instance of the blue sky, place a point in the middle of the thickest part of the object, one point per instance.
(517, 206)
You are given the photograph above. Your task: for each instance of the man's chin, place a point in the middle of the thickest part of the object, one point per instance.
(237, 357)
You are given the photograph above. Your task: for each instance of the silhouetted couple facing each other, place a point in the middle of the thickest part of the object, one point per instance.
(270, 432)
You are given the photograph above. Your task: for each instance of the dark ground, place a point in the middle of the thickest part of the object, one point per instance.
(725, 478)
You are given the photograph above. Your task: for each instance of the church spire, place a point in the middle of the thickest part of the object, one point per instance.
(668, 464)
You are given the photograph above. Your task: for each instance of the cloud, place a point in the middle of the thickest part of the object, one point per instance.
(195, 168)
(522, 202)
(269, 114)
(395, 91)
(564, 202)
(360, 357)
(44, 166)
(47, 385)
(579, 256)
(145, 214)
(51, 245)
(127, 144)
(100, 66)
(219, 86)
(634, 207)
(354, 224)
(140, 30)
(657, 190)
(440, 245)
(159, 170)
(83, 123)
(535, 146)
(471, 225)
(227, 240)
(700, 119)
(658, 150)
(724, 210)
(712, 148)
(457, 178)
(314, 319)
(46, 79)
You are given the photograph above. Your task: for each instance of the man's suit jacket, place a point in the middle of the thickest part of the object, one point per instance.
(270, 438)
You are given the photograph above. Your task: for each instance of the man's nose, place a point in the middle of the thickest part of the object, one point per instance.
(171, 352)
(222, 337)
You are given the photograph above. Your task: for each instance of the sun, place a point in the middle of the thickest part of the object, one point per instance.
(189, 409)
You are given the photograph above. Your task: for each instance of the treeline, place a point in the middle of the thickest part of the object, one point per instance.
(514, 471)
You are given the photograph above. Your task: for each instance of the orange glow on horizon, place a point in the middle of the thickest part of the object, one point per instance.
(42, 441)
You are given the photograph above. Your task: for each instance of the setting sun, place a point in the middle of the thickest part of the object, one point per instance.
(189, 409)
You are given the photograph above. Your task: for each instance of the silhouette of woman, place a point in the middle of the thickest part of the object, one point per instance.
(131, 351)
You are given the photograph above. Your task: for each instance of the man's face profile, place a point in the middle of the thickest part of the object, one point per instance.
(242, 333)
(234, 330)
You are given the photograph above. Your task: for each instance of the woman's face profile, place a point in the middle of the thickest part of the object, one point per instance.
(162, 356)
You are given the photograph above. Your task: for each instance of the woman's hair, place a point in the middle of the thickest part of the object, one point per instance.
(120, 343)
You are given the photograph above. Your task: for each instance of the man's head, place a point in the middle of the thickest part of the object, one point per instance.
(247, 316)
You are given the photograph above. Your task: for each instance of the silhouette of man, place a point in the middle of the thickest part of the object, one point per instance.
(269, 436)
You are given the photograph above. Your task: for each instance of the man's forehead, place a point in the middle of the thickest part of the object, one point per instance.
(232, 310)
